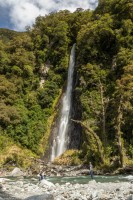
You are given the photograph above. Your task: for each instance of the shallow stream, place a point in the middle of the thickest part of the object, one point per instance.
(77, 179)
(86, 179)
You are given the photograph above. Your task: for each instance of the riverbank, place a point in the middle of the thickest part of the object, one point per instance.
(21, 188)
(58, 170)
(15, 187)
(50, 169)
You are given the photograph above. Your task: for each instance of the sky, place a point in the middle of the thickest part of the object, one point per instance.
(17, 14)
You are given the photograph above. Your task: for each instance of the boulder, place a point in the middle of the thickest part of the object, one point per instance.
(130, 197)
(41, 197)
(92, 182)
(44, 183)
(3, 180)
(16, 172)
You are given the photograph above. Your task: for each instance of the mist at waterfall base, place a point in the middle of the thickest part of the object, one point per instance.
(61, 141)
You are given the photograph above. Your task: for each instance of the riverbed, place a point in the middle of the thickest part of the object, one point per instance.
(86, 179)
(69, 188)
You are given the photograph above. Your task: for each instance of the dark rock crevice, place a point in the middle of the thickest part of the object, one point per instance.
(75, 130)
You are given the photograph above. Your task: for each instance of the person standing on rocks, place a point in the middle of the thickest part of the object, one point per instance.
(91, 170)
(41, 176)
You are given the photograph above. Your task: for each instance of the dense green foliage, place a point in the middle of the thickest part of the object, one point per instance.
(104, 86)
(105, 60)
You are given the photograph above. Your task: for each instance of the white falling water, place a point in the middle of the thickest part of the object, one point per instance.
(60, 143)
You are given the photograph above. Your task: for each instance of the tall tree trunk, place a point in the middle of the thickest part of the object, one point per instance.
(104, 138)
(97, 139)
(118, 133)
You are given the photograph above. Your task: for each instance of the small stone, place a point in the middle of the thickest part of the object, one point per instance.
(130, 197)
(94, 194)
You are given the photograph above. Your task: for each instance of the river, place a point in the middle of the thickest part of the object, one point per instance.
(28, 186)
(77, 179)
(86, 179)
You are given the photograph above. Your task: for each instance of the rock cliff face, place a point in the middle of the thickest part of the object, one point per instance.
(75, 130)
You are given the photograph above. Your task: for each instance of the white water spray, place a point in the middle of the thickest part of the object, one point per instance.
(60, 143)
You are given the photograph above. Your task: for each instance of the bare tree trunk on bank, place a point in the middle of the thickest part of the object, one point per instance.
(97, 139)
(118, 133)
(104, 104)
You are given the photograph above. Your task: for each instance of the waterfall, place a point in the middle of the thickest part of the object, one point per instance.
(60, 143)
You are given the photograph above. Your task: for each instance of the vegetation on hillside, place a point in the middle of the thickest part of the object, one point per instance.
(33, 72)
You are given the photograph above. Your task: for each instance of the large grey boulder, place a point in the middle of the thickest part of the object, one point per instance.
(16, 172)
(130, 197)
(6, 196)
(45, 183)
(41, 197)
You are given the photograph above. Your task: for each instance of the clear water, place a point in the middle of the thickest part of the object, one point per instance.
(77, 179)
(86, 179)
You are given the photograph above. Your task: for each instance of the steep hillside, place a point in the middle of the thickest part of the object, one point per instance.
(33, 73)
(6, 35)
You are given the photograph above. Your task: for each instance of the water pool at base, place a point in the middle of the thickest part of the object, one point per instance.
(86, 179)
(77, 179)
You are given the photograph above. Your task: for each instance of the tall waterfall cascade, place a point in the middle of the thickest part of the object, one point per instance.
(61, 141)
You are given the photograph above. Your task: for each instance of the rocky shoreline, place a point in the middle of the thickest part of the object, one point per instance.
(18, 188)
(58, 170)
(45, 190)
